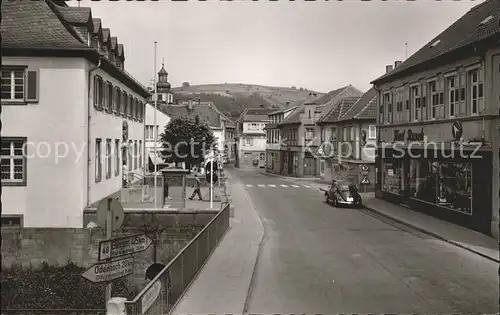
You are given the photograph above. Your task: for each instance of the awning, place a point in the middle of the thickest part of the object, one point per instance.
(155, 158)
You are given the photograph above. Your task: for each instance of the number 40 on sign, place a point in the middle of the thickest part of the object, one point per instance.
(123, 246)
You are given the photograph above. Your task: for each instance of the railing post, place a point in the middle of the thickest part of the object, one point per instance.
(116, 306)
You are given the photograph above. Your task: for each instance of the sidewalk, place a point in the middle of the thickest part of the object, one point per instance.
(176, 198)
(223, 283)
(473, 241)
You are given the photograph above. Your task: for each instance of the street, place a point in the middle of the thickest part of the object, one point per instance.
(316, 258)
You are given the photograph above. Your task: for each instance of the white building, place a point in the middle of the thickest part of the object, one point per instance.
(67, 100)
(252, 137)
(152, 129)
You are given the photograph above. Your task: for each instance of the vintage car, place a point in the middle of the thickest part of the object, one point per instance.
(343, 193)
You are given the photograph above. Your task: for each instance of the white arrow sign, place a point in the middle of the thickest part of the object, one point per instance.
(109, 271)
(123, 246)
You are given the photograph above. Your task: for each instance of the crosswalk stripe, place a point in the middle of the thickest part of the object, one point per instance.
(271, 185)
(248, 185)
(283, 185)
(261, 185)
(296, 186)
(307, 186)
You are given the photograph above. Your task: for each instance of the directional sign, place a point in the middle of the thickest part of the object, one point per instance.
(365, 180)
(123, 246)
(456, 130)
(109, 271)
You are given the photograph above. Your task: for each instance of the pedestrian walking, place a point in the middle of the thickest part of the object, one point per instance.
(197, 188)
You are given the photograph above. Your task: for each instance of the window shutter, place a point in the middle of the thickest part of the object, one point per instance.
(32, 86)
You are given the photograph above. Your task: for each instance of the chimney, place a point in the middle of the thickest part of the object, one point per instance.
(388, 68)
(397, 63)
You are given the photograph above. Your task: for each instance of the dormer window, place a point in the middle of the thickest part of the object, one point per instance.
(435, 43)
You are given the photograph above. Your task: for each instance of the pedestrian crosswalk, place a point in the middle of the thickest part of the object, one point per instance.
(280, 185)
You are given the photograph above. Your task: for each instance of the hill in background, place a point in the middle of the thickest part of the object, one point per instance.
(233, 98)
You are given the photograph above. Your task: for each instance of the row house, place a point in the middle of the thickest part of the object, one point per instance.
(300, 132)
(251, 140)
(273, 139)
(348, 141)
(438, 114)
(63, 149)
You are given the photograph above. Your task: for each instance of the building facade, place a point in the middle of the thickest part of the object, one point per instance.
(69, 151)
(348, 137)
(252, 137)
(438, 118)
(273, 139)
(301, 133)
(151, 131)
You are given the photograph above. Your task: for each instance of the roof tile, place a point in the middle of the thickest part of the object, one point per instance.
(97, 26)
(76, 15)
(365, 107)
(46, 30)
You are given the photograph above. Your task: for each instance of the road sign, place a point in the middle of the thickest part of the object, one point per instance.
(116, 213)
(364, 168)
(456, 130)
(123, 246)
(109, 271)
(365, 180)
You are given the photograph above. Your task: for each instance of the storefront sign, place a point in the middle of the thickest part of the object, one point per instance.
(456, 130)
(411, 136)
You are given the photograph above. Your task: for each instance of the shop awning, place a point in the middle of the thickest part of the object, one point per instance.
(155, 158)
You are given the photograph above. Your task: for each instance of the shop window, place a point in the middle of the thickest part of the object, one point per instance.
(455, 187)
(423, 175)
(391, 176)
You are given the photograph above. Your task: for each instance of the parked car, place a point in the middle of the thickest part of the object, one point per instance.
(343, 193)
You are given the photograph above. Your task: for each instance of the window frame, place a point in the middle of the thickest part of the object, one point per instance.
(98, 160)
(479, 85)
(25, 85)
(109, 159)
(452, 92)
(117, 157)
(372, 134)
(12, 156)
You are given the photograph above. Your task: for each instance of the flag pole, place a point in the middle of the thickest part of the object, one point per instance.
(155, 130)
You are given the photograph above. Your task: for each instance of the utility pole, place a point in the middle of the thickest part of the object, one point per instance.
(155, 131)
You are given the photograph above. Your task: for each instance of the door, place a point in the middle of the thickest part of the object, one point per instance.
(262, 160)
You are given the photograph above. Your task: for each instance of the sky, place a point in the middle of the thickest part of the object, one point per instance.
(316, 45)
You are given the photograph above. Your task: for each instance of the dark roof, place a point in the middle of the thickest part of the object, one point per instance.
(282, 110)
(340, 109)
(97, 26)
(248, 118)
(76, 15)
(271, 126)
(328, 96)
(38, 28)
(36, 24)
(206, 112)
(465, 31)
(364, 108)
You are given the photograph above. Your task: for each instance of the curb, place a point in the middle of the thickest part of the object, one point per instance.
(425, 231)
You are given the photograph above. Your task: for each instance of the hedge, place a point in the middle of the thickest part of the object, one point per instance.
(55, 287)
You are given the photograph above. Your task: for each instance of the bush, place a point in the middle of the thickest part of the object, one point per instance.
(55, 287)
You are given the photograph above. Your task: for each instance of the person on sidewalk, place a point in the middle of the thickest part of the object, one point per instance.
(197, 188)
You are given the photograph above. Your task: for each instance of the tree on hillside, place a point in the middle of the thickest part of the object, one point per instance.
(185, 139)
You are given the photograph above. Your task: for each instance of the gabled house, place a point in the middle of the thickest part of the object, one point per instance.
(273, 139)
(348, 138)
(252, 137)
(71, 115)
(300, 133)
(438, 117)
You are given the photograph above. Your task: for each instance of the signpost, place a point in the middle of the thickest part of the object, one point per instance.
(365, 180)
(109, 271)
(122, 246)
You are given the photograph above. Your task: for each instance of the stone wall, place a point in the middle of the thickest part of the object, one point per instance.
(173, 230)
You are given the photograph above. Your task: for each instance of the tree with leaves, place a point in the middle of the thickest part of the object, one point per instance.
(186, 140)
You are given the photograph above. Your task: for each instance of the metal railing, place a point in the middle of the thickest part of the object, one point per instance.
(165, 290)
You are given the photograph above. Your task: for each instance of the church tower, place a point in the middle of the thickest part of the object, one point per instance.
(163, 87)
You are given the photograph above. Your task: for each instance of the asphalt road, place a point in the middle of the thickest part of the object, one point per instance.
(319, 259)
